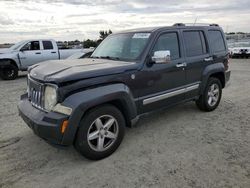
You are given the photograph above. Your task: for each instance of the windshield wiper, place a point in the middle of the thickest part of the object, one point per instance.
(94, 57)
(108, 57)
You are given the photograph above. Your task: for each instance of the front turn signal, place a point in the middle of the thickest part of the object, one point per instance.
(64, 126)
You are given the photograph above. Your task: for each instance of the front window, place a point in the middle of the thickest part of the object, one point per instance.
(33, 45)
(128, 46)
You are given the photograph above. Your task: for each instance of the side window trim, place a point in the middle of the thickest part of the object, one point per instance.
(178, 39)
(204, 42)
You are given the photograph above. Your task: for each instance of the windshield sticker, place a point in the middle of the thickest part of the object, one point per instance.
(141, 35)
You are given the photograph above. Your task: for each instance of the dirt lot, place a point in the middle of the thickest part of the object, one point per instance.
(178, 148)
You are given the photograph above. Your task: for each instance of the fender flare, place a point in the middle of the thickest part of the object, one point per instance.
(208, 71)
(82, 101)
(7, 61)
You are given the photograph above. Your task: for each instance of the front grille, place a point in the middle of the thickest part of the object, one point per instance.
(35, 93)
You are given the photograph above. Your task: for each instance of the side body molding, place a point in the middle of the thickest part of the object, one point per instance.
(80, 102)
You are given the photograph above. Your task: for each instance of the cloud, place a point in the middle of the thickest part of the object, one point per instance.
(72, 19)
(5, 20)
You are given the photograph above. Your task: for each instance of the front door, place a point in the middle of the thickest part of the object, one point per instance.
(30, 54)
(163, 84)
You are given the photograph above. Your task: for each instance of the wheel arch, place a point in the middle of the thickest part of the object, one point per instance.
(8, 61)
(118, 95)
(216, 70)
(220, 76)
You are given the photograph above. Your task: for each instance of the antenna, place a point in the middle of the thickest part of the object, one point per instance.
(195, 20)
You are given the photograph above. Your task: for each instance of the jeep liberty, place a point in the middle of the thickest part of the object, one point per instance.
(89, 102)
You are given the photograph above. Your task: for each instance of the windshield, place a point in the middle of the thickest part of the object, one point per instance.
(126, 46)
(17, 45)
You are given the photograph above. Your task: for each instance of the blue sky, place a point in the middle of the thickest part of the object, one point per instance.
(82, 19)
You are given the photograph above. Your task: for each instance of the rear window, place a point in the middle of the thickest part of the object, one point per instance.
(47, 45)
(217, 41)
(195, 43)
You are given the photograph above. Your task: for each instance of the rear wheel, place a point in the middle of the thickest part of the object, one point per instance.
(101, 132)
(9, 72)
(211, 96)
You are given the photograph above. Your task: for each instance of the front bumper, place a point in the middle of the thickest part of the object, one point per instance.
(240, 54)
(46, 125)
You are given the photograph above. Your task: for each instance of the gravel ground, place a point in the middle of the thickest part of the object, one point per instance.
(180, 147)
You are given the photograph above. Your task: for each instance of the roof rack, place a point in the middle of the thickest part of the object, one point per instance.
(195, 24)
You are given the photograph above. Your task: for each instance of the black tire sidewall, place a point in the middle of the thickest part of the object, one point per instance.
(81, 142)
(9, 67)
(212, 81)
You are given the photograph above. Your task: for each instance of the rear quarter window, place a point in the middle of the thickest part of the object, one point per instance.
(217, 41)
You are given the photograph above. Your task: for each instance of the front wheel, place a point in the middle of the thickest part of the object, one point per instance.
(101, 132)
(9, 72)
(211, 96)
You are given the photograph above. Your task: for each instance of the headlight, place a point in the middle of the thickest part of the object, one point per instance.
(50, 97)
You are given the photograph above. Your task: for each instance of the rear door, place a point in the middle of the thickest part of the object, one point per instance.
(50, 52)
(197, 58)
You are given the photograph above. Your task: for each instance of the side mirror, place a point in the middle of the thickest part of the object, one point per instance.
(161, 56)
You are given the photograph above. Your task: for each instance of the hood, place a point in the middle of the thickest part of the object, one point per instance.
(69, 70)
(5, 50)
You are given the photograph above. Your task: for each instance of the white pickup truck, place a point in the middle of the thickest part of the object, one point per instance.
(29, 52)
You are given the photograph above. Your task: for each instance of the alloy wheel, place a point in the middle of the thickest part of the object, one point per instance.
(103, 133)
(213, 94)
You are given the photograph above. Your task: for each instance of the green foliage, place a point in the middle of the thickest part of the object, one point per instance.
(94, 43)
(104, 34)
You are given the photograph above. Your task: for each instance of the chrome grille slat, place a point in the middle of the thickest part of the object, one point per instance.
(35, 93)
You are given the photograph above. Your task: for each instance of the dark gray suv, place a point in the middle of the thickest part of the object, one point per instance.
(88, 102)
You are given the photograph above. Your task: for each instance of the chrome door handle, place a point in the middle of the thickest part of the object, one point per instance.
(209, 59)
(178, 65)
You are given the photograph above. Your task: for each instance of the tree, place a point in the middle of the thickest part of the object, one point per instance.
(104, 34)
(89, 43)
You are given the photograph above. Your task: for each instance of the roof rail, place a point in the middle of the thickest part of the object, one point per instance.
(179, 24)
(195, 24)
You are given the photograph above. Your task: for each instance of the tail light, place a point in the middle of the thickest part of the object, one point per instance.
(226, 62)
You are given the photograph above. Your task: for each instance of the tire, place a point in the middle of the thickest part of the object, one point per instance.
(9, 72)
(211, 96)
(95, 142)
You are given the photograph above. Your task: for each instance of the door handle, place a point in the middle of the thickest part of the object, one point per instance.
(178, 65)
(208, 59)
(53, 52)
(38, 52)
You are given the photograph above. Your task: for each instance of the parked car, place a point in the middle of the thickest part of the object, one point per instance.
(239, 49)
(80, 55)
(88, 102)
(29, 52)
